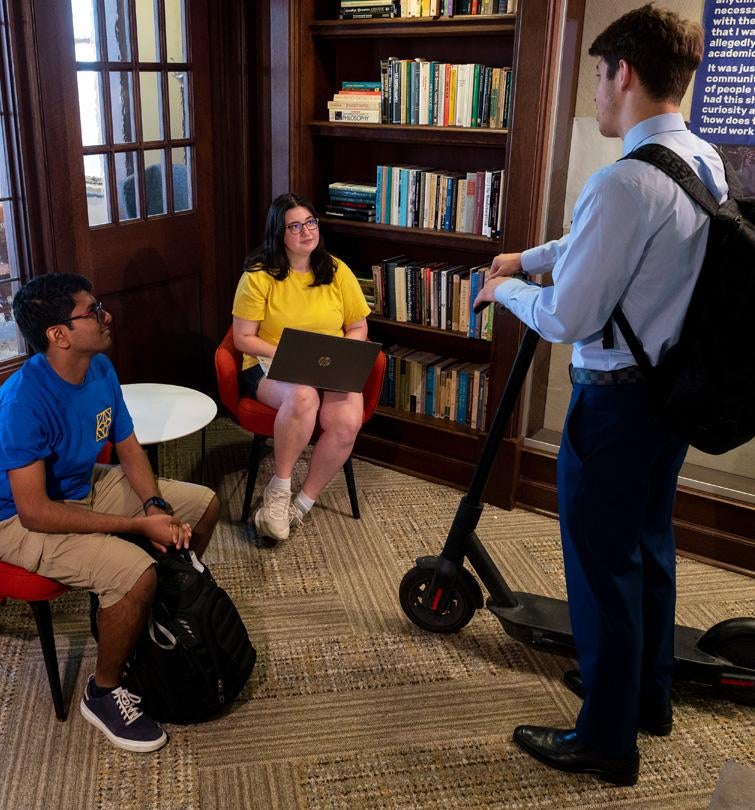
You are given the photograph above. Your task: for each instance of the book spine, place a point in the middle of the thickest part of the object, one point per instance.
(507, 102)
(486, 204)
(474, 288)
(390, 291)
(461, 396)
(385, 90)
(387, 194)
(424, 93)
(395, 91)
(403, 206)
(355, 188)
(377, 282)
(379, 193)
(448, 210)
(416, 69)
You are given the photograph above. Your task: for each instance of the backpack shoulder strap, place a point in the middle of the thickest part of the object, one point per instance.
(678, 170)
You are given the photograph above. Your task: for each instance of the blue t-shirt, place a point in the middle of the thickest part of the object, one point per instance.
(44, 417)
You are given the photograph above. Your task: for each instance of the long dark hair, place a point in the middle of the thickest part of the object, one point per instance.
(272, 256)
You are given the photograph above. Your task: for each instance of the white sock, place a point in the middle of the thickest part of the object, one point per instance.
(303, 503)
(281, 484)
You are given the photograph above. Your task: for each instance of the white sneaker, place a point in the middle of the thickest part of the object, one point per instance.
(271, 519)
(295, 516)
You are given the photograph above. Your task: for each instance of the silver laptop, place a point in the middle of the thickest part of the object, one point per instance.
(323, 361)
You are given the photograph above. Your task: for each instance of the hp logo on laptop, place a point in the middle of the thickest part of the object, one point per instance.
(324, 361)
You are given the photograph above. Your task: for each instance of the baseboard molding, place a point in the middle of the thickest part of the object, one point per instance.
(709, 528)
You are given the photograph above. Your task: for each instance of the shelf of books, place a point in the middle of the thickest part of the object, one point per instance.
(402, 128)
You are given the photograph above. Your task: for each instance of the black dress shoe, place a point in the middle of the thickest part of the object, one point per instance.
(657, 723)
(561, 749)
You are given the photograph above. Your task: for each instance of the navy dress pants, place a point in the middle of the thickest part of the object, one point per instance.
(617, 474)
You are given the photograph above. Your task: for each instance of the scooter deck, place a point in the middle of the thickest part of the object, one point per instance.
(537, 620)
(543, 622)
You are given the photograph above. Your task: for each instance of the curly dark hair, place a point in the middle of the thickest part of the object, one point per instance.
(44, 302)
(663, 48)
(272, 257)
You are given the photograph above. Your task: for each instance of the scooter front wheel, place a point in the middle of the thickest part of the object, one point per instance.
(459, 612)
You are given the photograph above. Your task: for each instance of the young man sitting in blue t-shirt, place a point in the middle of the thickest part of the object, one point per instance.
(61, 514)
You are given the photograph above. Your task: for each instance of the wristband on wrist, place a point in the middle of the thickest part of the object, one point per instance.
(159, 502)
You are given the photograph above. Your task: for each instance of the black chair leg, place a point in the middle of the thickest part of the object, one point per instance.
(348, 471)
(254, 463)
(43, 617)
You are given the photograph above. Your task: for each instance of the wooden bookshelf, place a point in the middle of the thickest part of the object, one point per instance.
(323, 51)
(398, 133)
(479, 25)
(443, 240)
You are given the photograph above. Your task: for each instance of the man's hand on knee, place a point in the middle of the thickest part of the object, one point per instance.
(165, 531)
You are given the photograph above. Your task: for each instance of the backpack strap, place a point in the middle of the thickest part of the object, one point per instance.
(637, 349)
(678, 170)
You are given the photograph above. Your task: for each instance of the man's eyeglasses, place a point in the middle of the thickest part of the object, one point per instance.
(297, 227)
(95, 312)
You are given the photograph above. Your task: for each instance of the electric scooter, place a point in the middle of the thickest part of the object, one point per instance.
(440, 595)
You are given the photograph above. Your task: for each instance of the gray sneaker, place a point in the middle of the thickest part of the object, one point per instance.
(271, 519)
(118, 716)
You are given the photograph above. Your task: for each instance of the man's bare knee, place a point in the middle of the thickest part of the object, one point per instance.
(205, 526)
(143, 590)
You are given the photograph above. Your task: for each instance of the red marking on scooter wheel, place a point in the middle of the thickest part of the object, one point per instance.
(737, 682)
(436, 600)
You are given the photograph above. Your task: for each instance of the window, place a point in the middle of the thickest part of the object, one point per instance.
(134, 81)
(14, 250)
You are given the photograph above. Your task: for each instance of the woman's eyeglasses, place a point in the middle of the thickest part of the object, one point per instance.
(95, 312)
(297, 227)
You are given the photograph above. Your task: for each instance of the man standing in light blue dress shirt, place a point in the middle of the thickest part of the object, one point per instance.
(636, 240)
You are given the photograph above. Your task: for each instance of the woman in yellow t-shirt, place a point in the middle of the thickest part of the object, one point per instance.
(292, 281)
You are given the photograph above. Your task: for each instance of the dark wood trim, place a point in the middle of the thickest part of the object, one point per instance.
(453, 241)
(50, 208)
(708, 527)
(240, 123)
(403, 133)
(492, 25)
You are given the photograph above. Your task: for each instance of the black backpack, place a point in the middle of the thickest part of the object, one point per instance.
(706, 382)
(194, 656)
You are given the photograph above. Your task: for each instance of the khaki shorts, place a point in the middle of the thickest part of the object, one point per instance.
(103, 563)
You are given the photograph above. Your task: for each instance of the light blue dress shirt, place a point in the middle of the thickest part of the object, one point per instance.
(636, 239)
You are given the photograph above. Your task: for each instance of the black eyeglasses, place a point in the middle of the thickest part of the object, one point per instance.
(297, 227)
(96, 312)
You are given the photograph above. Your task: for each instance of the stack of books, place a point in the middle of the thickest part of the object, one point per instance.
(355, 201)
(357, 102)
(449, 8)
(418, 91)
(432, 293)
(419, 197)
(367, 9)
(443, 387)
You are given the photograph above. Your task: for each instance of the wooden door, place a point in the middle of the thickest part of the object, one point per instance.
(120, 114)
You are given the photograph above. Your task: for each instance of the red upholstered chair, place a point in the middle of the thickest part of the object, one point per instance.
(17, 583)
(259, 419)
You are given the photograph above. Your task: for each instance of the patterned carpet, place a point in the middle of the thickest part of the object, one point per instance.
(350, 706)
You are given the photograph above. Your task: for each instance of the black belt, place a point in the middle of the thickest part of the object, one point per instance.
(622, 376)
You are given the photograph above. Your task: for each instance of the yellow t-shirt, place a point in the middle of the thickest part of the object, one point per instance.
(293, 303)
